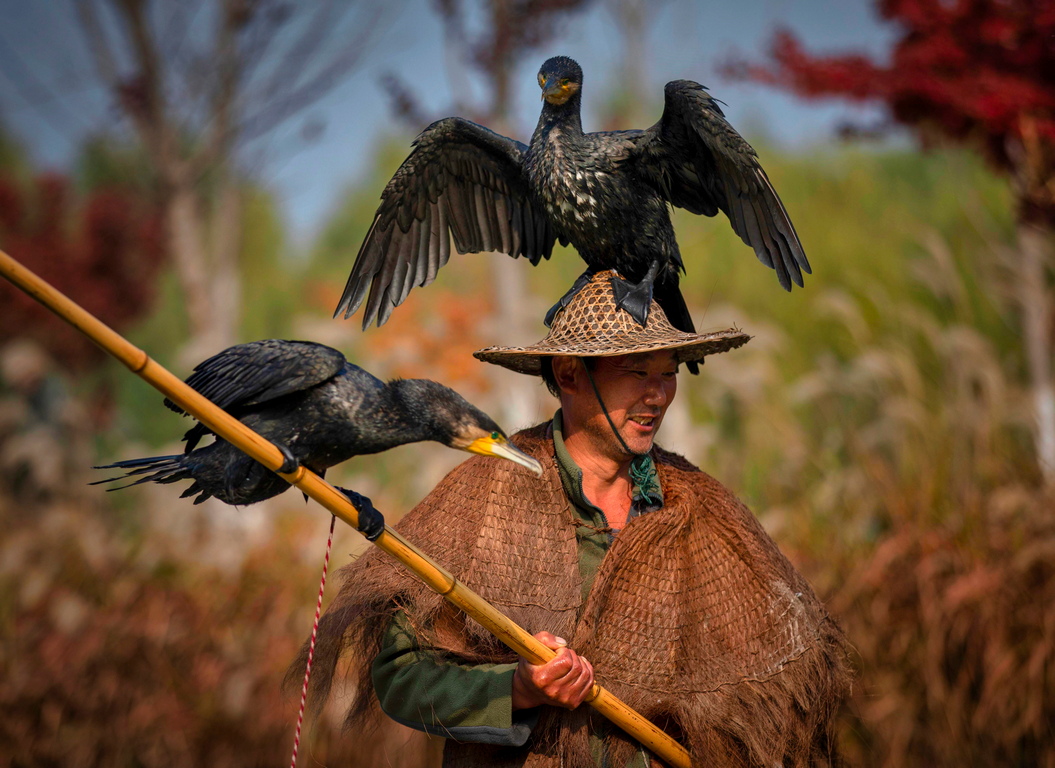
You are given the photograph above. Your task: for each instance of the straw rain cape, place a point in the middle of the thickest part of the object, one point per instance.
(695, 618)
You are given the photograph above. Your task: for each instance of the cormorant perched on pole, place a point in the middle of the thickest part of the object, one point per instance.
(607, 194)
(319, 410)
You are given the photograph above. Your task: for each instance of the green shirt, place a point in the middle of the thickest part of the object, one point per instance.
(434, 692)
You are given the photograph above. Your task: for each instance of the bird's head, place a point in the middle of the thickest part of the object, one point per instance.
(560, 78)
(475, 438)
(452, 420)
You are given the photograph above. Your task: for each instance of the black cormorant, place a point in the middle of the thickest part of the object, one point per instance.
(319, 410)
(607, 194)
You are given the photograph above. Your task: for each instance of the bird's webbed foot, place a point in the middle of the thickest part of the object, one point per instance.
(580, 282)
(635, 299)
(371, 522)
(291, 463)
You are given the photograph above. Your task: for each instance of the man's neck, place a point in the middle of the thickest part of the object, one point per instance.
(605, 480)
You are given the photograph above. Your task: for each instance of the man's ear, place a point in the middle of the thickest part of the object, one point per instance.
(567, 372)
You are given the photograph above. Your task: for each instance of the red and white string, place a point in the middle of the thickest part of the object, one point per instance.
(311, 647)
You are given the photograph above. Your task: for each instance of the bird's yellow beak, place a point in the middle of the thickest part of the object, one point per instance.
(555, 92)
(503, 449)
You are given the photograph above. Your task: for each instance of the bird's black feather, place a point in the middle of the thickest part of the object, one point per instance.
(606, 194)
(321, 409)
(461, 180)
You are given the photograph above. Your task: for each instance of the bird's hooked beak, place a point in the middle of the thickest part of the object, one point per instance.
(557, 90)
(496, 444)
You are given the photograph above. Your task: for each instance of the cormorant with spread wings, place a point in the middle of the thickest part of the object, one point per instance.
(607, 194)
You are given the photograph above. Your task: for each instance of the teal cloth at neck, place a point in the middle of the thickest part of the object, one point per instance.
(646, 491)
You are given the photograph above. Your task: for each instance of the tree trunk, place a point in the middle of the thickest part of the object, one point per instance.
(226, 288)
(187, 247)
(1038, 312)
(205, 251)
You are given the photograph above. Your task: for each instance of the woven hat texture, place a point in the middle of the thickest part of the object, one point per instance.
(592, 326)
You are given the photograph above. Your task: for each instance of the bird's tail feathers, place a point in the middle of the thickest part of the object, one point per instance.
(158, 469)
(668, 296)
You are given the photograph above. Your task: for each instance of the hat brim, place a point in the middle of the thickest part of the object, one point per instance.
(687, 348)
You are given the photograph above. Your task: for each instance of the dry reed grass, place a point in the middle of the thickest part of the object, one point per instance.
(900, 474)
(106, 661)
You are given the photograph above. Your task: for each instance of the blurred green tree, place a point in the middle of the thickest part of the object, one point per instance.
(982, 73)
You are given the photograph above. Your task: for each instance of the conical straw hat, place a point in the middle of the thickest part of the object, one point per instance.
(592, 326)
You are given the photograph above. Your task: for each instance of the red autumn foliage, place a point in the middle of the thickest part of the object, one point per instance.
(104, 252)
(971, 70)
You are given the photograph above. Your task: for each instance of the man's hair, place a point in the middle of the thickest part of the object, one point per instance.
(546, 362)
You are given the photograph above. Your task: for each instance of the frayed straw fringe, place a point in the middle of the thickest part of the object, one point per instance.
(695, 618)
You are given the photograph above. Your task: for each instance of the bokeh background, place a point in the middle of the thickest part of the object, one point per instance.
(201, 173)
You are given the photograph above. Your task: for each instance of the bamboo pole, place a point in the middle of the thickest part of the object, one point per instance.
(241, 436)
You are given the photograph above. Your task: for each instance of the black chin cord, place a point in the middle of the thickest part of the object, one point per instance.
(645, 492)
(604, 409)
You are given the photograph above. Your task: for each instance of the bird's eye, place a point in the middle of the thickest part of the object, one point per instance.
(566, 81)
(494, 435)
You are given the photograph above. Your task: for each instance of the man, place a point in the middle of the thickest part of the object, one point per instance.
(634, 565)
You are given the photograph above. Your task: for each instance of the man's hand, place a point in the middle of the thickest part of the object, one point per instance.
(565, 681)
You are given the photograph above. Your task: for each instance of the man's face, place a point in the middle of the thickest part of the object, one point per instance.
(636, 390)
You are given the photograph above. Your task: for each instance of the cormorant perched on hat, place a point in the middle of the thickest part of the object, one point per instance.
(607, 194)
(319, 410)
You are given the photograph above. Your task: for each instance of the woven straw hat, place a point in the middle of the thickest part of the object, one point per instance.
(591, 326)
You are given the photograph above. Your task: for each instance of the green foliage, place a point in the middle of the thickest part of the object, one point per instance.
(12, 156)
(271, 284)
(335, 248)
(105, 161)
(901, 245)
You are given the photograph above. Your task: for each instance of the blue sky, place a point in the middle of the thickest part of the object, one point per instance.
(687, 39)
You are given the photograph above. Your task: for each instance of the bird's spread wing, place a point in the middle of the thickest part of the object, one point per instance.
(254, 373)
(704, 165)
(461, 180)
